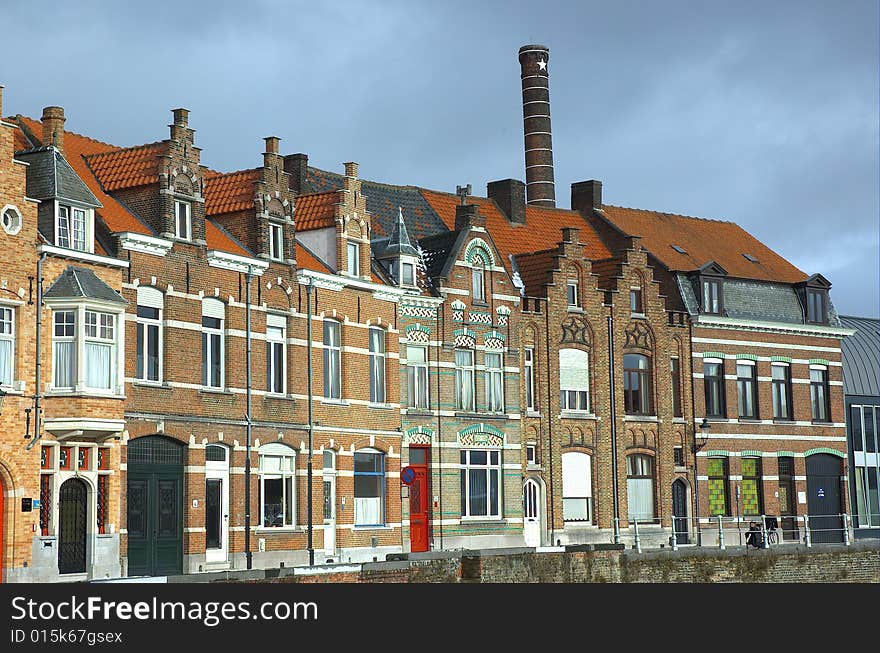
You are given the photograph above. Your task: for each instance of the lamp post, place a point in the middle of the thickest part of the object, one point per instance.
(700, 441)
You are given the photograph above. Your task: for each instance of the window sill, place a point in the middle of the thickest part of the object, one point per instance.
(783, 421)
(159, 385)
(718, 420)
(821, 422)
(533, 467)
(577, 414)
(479, 302)
(215, 391)
(680, 468)
(376, 527)
(679, 420)
(641, 418)
(82, 393)
(471, 415)
(419, 412)
(380, 406)
(15, 389)
(574, 309)
(335, 402)
(489, 521)
(533, 413)
(748, 420)
(580, 525)
(277, 396)
(279, 529)
(639, 316)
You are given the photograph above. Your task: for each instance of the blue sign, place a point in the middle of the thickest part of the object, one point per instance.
(821, 492)
(407, 475)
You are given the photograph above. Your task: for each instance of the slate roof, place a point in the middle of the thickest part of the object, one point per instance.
(81, 283)
(50, 176)
(397, 243)
(861, 356)
(436, 250)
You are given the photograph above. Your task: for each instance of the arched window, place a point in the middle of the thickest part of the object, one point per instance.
(637, 385)
(369, 487)
(150, 302)
(640, 487)
(574, 380)
(213, 317)
(577, 493)
(277, 485)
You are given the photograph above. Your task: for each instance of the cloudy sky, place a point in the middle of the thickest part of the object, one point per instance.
(765, 114)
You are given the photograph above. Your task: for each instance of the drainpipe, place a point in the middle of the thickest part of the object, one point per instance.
(439, 325)
(696, 492)
(309, 544)
(549, 418)
(38, 369)
(614, 495)
(249, 557)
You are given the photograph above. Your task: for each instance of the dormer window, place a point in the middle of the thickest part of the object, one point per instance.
(408, 274)
(354, 258)
(276, 242)
(712, 299)
(182, 220)
(72, 225)
(817, 306)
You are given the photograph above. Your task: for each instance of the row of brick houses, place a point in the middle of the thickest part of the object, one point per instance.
(544, 376)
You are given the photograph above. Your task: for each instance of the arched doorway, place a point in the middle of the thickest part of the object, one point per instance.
(155, 506)
(72, 516)
(680, 511)
(216, 503)
(824, 498)
(532, 513)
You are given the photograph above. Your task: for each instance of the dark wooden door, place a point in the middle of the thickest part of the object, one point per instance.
(824, 506)
(72, 511)
(213, 513)
(679, 511)
(418, 509)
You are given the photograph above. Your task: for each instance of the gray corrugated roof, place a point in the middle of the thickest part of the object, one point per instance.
(49, 176)
(861, 356)
(81, 283)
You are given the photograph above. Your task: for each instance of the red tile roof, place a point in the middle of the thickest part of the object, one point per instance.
(535, 268)
(305, 260)
(703, 241)
(230, 192)
(129, 167)
(19, 140)
(315, 211)
(543, 228)
(220, 240)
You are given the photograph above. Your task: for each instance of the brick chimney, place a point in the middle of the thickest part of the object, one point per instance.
(180, 130)
(53, 127)
(296, 165)
(510, 196)
(540, 189)
(270, 156)
(586, 196)
(468, 215)
(351, 169)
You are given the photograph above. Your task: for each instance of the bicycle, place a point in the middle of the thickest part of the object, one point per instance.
(771, 525)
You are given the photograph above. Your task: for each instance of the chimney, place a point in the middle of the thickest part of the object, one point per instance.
(586, 196)
(351, 169)
(510, 196)
(180, 130)
(53, 127)
(181, 117)
(272, 144)
(468, 215)
(536, 125)
(570, 234)
(296, 165)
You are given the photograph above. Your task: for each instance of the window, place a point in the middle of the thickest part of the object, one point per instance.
(464, 379)
(747, 389)
(531, 454)
(865, 421)
(10, 220)
(149, 334)
(571, 293)
(276, 366)
(71, 228)
(7, 345)
(408, 274)
(817, 306)
(751, 487)
(417, 376)
(529, 376)
(675, 371)
(369, 488)
(480, 483)
(574, 380)
(332, 361)
(712, 296)
(377, 365)
(276, 241)
(213, 314)
(640, 487)
(64, 349)
(781, 391)
(577, 488)
(100, 350)
(635, 300)
(277, 485)
(713, 381)
(478, 280)
(717, 473)
(678, 456)
(819, 393)
(354, 258)
(183, 220)
(494, 382)
(637, 384)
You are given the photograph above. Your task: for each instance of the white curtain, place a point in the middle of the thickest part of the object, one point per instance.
(367, 510)
(497, 391)
(5, 362)
(99, 365)
(574, 369)
(640, 498)
(576, 486)
(465, 377)
(65, 364)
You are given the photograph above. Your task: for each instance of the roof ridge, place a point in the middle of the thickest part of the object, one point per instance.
(73, 133)
(675, 215)
(121, 150)
(233, 173)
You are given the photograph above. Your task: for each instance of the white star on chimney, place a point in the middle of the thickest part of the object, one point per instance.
(542, 65)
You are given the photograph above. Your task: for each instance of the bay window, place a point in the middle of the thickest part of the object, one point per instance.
(71, 226)
(64, 349)
(100, 350)
(574, 380)
(480, 475)
(369, 488)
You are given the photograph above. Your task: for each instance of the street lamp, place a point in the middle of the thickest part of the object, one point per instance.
(701, 439)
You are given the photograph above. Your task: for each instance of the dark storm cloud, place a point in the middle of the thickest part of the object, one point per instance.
(761, 113)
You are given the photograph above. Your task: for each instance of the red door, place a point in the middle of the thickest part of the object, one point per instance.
(418, 509)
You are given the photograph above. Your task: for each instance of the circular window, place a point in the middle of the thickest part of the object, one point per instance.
(10, 218)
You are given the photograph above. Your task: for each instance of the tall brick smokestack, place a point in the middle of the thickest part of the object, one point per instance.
(536, 125)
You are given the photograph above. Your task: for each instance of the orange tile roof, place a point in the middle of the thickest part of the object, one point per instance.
(305, 260)
(128, 167)
(76, 149)
(543, 228)
(534, 270)
(220, 240)
(703, 241)
(230, 192)
(19, 140)
(315, 211)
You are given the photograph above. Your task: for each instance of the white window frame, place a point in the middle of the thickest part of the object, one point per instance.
(276, 241)
(64, 338)
(359, 521)
(478, 280)
(378, 377)
(276, 339)
(286, 470)
(333, 356)
(636, 480)
(149, 297)
(214, 309)
(7, 335)
(417, 379)
(187, 235)
(101, 332)
(67, 215)
(10, 219)
(353, 257)
(404, 266)
(574, 399)
(529, 377)
(463, 372)
(577, 485)
(493, 373)
(466, 466)
(572, 299)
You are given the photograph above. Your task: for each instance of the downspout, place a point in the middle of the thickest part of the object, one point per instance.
(439, 330)
(549, 419)
(249, 557)
(612, 406)
(309, 544)
(38, 368)
(694, 436)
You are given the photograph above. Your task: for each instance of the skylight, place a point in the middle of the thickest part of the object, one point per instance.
(678, 249)
(751, 258)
